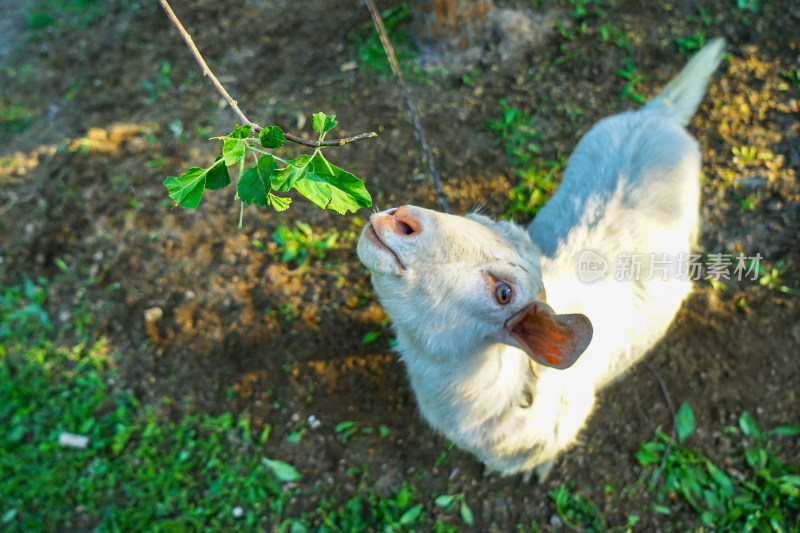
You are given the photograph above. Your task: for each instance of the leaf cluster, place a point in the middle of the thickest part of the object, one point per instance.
(316, 178)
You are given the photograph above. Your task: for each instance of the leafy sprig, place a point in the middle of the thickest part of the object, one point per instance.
(327, 185)
(316, 178)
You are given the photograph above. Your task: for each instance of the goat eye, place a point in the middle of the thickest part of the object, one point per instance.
(503, 292)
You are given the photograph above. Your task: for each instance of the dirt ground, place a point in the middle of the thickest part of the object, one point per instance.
(204, 313)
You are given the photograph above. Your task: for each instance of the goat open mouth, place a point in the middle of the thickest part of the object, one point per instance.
(375, 239)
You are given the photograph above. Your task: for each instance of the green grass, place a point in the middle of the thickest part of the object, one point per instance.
(517, 132)
(14, 117)
(140, 471)
(634, 79)
(300, 242)
(580, 514)
(519, 135)
(693, 43)
(46, 17)
(753, 491)
(370, 55)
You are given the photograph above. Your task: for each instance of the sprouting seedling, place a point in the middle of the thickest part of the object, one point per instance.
(451, 501)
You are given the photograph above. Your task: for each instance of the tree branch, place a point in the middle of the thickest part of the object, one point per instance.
(331, 142)
(419, 133)
(234, 105)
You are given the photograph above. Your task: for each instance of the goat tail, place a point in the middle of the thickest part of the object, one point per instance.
(683, 94)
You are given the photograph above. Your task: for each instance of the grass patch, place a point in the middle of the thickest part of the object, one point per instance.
(370, 55)
(753, 491)
(518, 133)
(580, 514)
(14, 118)
(140, 470)
(300, 243)
(48, 17)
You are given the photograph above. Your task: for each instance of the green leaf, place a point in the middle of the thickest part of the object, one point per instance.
(279, 202)
(323, 123)
(446, 499)
(749, 426)
(330, 187)
(61, 264)
(649, 453)
(233, 150)
(344, 426)
(233, 147)
(283, 471)
(371, 336)
(9, 515)
(684, 421)
(187, 189)
(255, 183)
(265, 434)
(285, 179)
(240, 132)
(661, 509)
(751, 456)
(789, 485)
(721, 478)
(217, 176)
(410, 516)
(466, 513)
(271, 137)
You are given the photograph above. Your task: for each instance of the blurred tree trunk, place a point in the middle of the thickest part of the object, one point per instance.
(452, 28)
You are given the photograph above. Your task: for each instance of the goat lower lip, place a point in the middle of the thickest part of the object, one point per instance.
(376, 240)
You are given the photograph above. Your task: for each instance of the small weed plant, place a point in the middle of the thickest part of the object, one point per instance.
(754, 491)
(516, 130)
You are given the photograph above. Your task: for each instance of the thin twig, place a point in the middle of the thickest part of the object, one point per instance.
(674, 435)
(331, 142)
(427, 155)
(234, 105)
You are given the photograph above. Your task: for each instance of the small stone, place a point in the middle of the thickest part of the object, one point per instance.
(153, 314)
(72, 440)
(238, 512)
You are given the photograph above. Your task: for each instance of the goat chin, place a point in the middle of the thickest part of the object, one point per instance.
(503, 368)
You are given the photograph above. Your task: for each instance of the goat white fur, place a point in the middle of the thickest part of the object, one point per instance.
(493, 367)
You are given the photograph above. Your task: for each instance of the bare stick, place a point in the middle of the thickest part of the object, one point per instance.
(674, 435)
(234, 105)
(332, 142)
(427, 155)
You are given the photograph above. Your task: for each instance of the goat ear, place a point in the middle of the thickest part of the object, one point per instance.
(550, 339)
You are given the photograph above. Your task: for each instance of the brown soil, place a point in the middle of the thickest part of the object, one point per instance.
(201, 312)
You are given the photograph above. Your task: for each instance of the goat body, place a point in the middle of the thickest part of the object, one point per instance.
(492, 365)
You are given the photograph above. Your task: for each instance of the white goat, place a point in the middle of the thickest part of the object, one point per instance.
(492, 365)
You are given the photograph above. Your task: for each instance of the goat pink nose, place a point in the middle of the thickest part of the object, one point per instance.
(404, 223)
